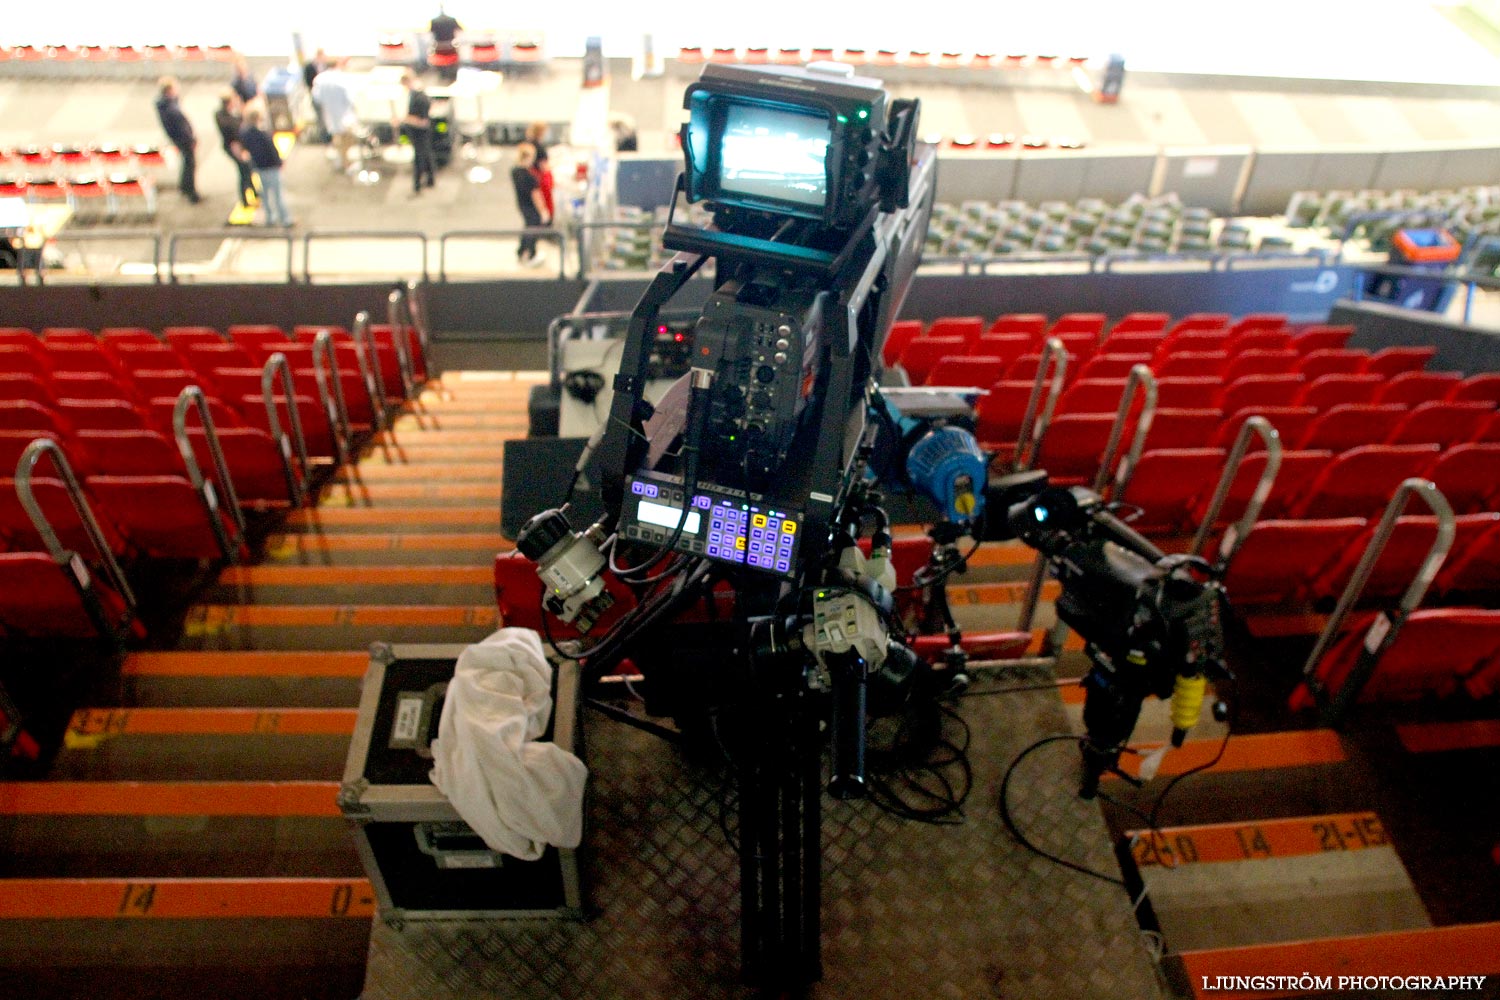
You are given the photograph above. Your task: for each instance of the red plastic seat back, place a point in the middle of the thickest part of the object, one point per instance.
(134, 357)
(1132, 343)
(1260, 340)
(23, 361)
(52, 497)
(902, 332)
(249, 335)
(998, 415)
(76, 356)
(1187, 392)
(102, 414)
(183, 337)
(919, 358)
(1259, 361)
(1291, 423)
(1474, 570)
(1350, 425)
(90, 385)
(160, 516)
(161, 409)
(1072, 323)
(1484, 387)
(1261, 390)
(117, 336)
(1191, 364)
(1332, 361)
(1112, 365)
(1394, 360)
(1165, 483)
(1467, 475)
(966, 328)
(1199, 323)
(26, 415)
(1337, 388)
(1360, 481)
(22, 385)
(1321, 338)
(316, 431)
(254, 462)
(976, 371)
(1092, 395)
(1141, 322)
(39, 598)
(1194, 340)
(1031, 325)
(1445, 423)
(205, 358)
(1297, 471)
(1411, 388)
(1174, 427)
(1277, 558)
(1410, 539)
(1004, 345)
(1073, 446)
(132, 453)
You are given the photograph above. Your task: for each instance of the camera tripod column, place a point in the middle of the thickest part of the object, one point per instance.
(780, 825)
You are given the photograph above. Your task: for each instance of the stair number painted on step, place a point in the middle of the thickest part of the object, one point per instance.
(408, 719)
(139, 897)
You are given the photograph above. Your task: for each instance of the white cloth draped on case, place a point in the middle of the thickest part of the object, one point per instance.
(517, 793)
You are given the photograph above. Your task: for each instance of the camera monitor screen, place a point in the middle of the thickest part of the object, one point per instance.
(774, 154)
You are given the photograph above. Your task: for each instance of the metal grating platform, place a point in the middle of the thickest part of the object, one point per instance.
(910, 910)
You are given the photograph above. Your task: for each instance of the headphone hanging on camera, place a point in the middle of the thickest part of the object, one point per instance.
(584, 385)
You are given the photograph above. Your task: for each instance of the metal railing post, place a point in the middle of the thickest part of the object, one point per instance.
(192, 396)
(1035, 421)
(1140, 379)
(295, 443)
(1234, 535)
(369, 364)
(396, 320)
(331, 389)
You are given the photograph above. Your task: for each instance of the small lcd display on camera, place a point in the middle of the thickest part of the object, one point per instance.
(774, 154)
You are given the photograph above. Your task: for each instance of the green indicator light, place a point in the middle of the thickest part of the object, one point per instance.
(864, 113)
(843, 119)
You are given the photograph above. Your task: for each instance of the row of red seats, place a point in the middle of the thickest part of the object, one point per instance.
(1173, 486)
(1083, 334)
(154, 52)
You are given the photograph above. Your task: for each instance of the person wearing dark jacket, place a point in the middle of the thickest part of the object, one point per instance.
(243, 80)
(229, 122)
(257, 142)
(529, 201)
(180, 131)
(417, 127)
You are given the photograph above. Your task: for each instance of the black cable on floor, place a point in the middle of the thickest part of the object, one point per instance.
(1010, 823)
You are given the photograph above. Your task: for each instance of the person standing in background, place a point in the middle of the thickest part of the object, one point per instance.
(536, 135)
(310, 69)
(417, 127)
(257, 142)
(180, 131)
(444, 30)
(529, 201)
(331, 95)
(243, 81)
(229, 122)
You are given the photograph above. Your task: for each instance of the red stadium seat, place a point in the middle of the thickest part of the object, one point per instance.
(1187, 393)
(1073, 447)
(1438, 653)
(160, 516)
(1092, 395)
(102, 414)
(255, 464)
(1321, 338)
(131, 453)
(1259, 362)
(1491, 431)
(347, 357)
(204, 358)
(1259, 321)
(1277, 558)
(1132, 343)
(998, 415)
(316, 431)
(1197, 322)
(23, 361)
(977, 371)
(1359, 482)
(919, 358)
(1291, 423)
(75, 356)
(1141, 322)
(1194, 340)
(170, 382)
(1072, 323)
(1474, 570)
(183, 337)
(1008, 346)
(356, 398)
(1259, 340)
(1328, 361)
(1260, 390)
(134, 357)
(1080, 345)
(1027, 365)
(1173, 427)
(1297, 470)
(1400, 561)
(240, 385)
(13, 444)
(1191, 364)
(967, 328)
(1467, 475)
(90, 385)
(40, 598)
(1337, 388)
(19, 336)
(1485, 387)
(161, 410)
(1349, 425)
(252, 337)
(1394, 360)
(307, 333)
(69, 334)
(1112, 365)
(118, 335)
(1411, 388)
(1031, 325)
(1165, 483)
(1445, 423)
(25, 415)
(52, 497)
(19, 385)
(902, 332)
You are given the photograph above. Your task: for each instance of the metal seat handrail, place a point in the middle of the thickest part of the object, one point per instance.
(1140, 380)
(229, 544)
(331, 391)
(1038, 416)
(395, 318)
(1382, 632)
(416, 311)
(293, 443)
(367, 351)
(65, 558)
(1235, 535)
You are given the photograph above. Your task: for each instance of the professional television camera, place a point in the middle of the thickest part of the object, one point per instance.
(1152, 622)
(726, 565)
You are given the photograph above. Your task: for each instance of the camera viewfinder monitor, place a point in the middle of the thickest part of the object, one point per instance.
(774, 155)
